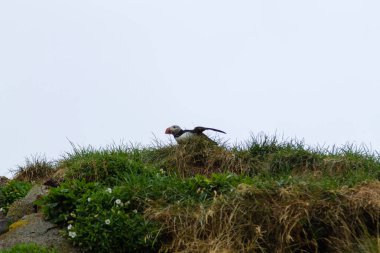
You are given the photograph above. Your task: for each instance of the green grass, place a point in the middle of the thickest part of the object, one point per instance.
(12, 191)
(198, 197)
(28, 248)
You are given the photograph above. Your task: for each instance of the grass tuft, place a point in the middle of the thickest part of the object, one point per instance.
(36, 169)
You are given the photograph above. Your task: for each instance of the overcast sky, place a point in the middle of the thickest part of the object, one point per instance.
(96, 72)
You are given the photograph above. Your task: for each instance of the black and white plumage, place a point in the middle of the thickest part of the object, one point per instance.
(183, 134)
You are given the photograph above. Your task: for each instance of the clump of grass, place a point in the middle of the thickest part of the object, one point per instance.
(275, 157)
(197, 156)
(104, 165)
(37, 168)
(292, 219)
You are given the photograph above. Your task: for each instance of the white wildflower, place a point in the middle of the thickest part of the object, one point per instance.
(72, 234)
(69, 227)
(1, 209)
(135, 211)
(107, 221)
(109, 190)
(162, 171)
(89, 200)
(118, 202)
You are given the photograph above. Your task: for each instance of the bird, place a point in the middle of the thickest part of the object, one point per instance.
(181, 135)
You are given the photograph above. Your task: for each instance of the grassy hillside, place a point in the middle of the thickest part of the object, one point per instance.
(267, 195)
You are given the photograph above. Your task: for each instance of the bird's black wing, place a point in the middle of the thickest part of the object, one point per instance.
(199, 130)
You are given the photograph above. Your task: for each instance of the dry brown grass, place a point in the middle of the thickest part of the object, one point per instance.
(199, 156)
(36, 169)
(290, 219)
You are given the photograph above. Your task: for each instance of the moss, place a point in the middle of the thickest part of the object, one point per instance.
(18, 224)
(18, 209)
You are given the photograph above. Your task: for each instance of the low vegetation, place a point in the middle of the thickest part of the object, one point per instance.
(12, 191)
(266, 195)
(28, 248)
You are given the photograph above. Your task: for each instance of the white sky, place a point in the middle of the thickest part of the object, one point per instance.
(98, 71)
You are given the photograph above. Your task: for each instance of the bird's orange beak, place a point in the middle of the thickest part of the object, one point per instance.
(168, 131)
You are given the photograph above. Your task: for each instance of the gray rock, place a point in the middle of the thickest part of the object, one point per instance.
(25, 205)
(4, 225)
(33, 228)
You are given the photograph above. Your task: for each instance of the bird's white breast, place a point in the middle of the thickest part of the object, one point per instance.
(184, 136)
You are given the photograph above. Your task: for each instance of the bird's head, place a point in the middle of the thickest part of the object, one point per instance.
(173, 130)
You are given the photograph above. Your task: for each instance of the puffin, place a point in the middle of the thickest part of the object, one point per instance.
(181, 135)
